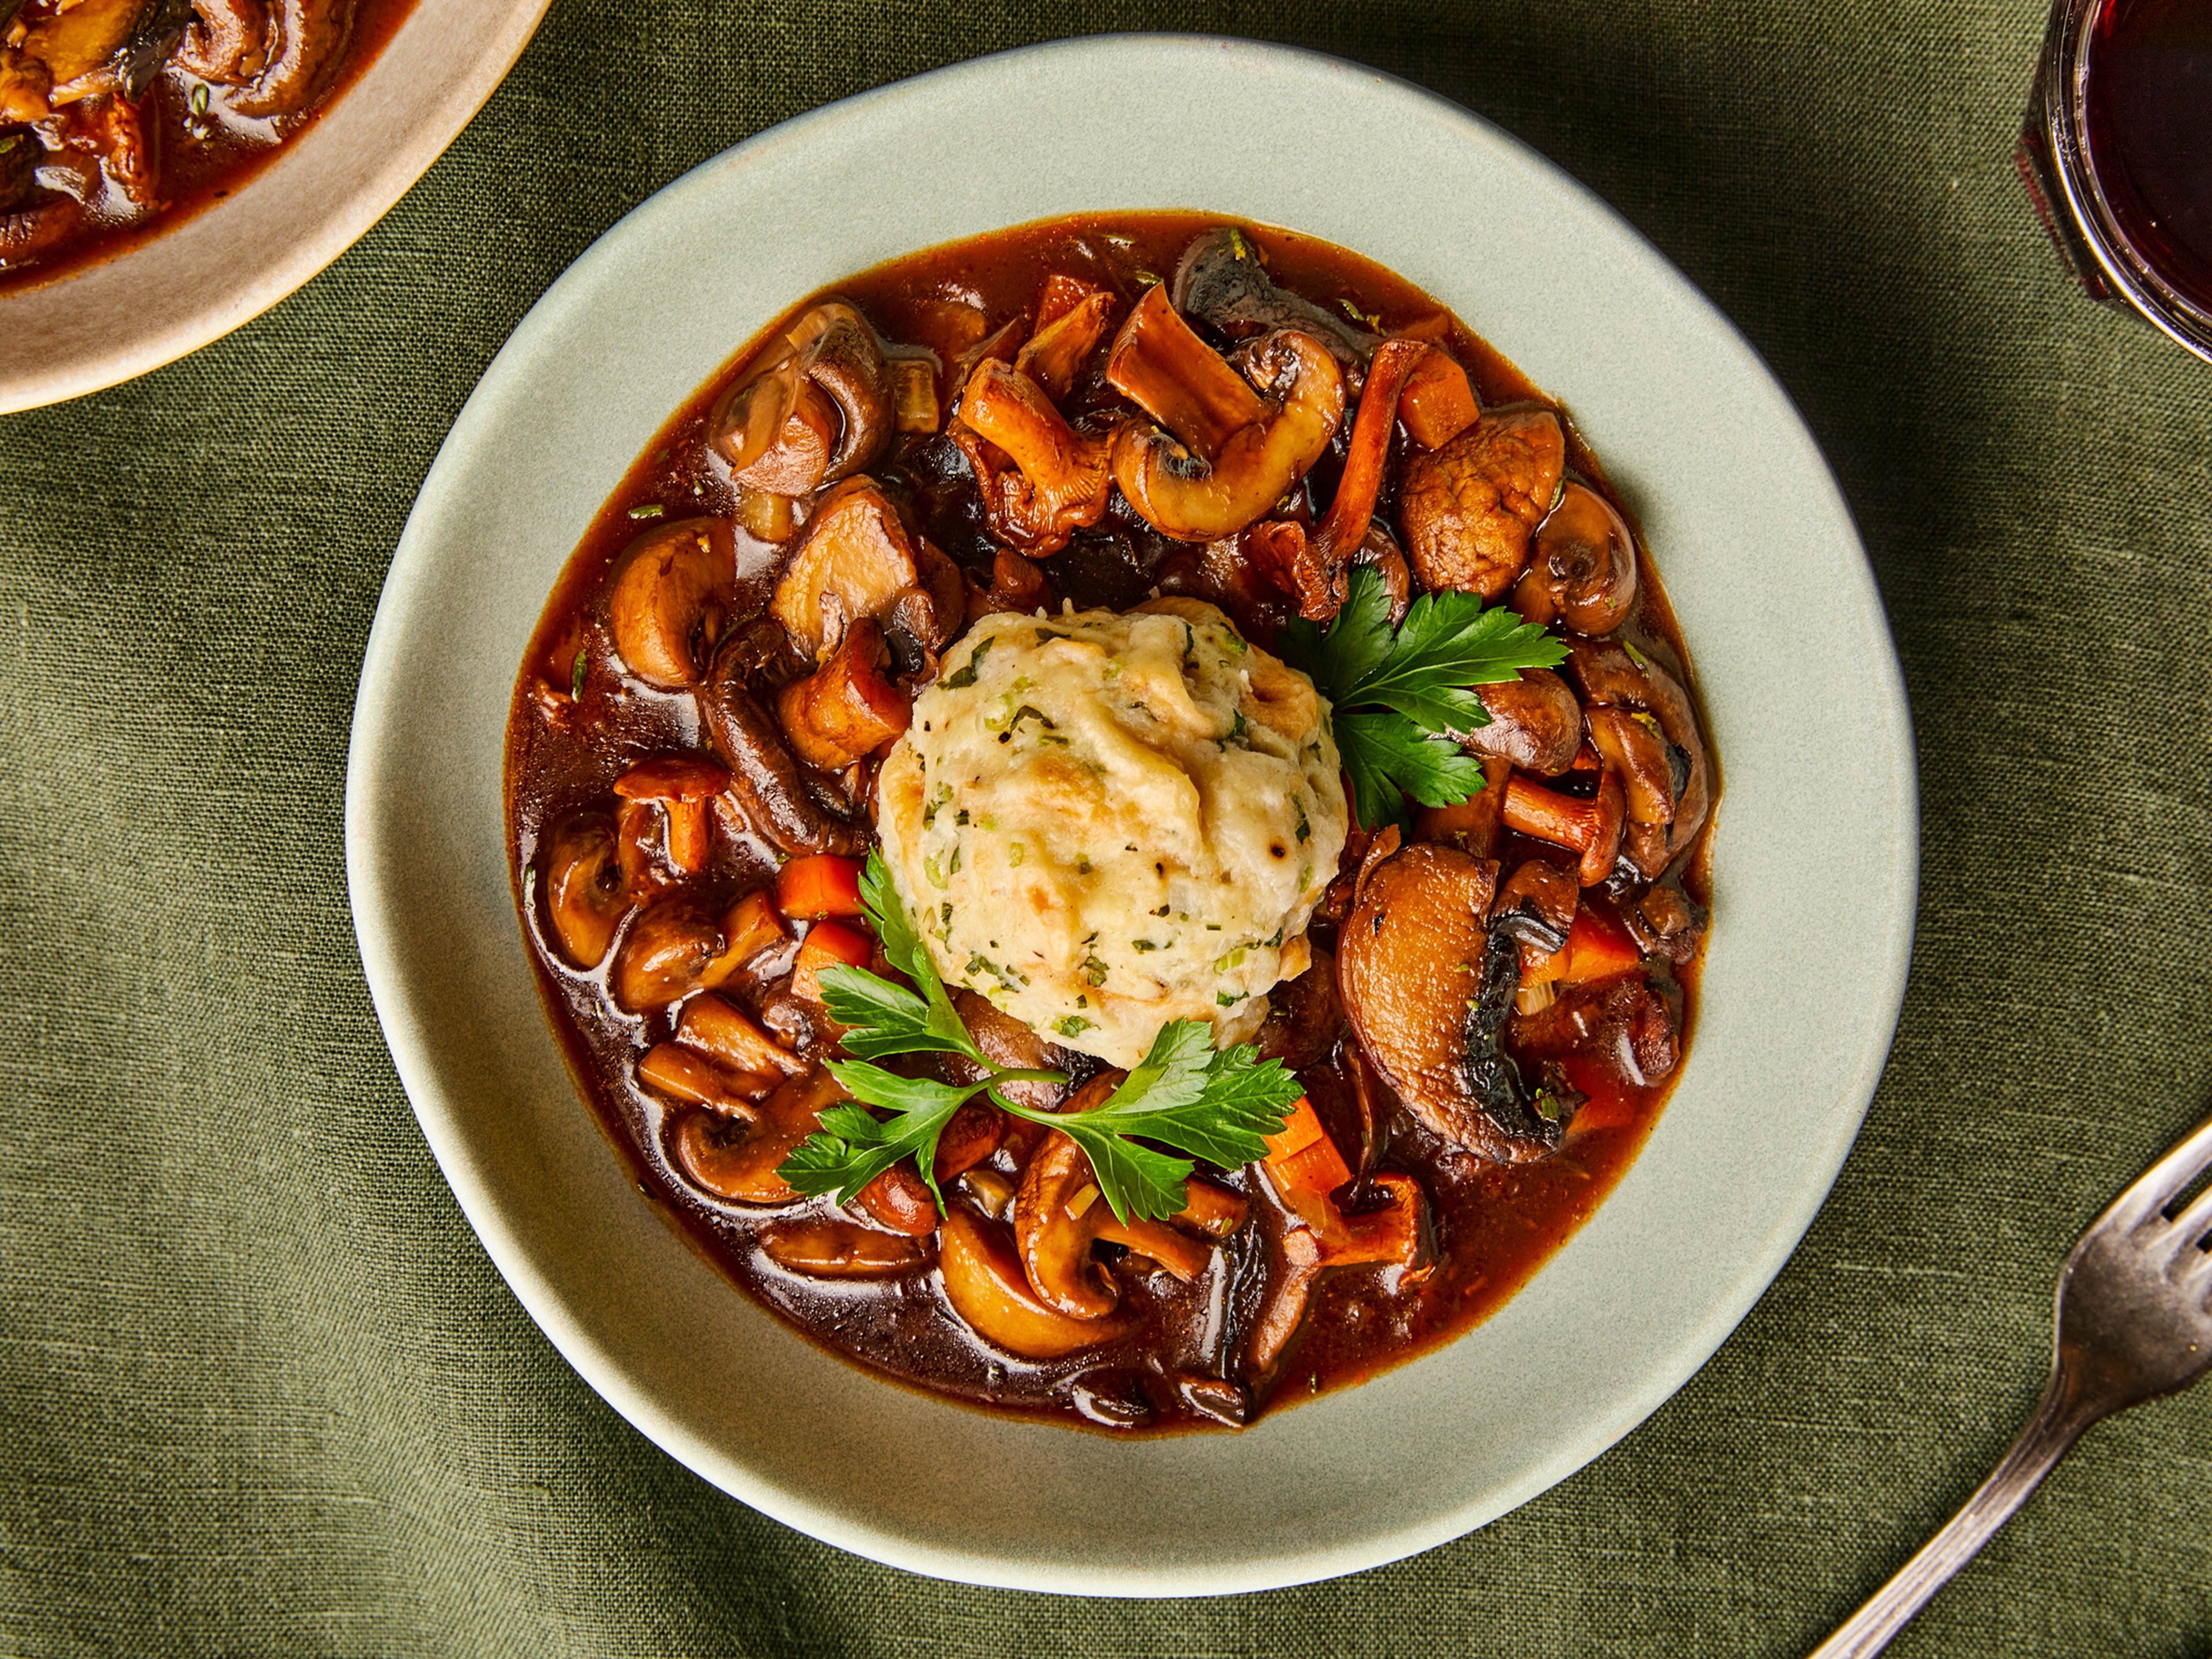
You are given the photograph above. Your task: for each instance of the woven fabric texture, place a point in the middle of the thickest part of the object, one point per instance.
(262, 1393)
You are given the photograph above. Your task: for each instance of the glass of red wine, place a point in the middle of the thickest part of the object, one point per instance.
(2117, 153)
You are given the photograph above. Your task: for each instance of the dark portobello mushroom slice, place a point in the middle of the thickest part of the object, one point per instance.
(1429, 986)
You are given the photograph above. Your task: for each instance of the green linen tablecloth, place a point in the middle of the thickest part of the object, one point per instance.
(262, 1393)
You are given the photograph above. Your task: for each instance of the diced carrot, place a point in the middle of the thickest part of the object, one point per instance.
(1597, 948)
(822, 884)
(1438, 402)
(828, 943)
(1211, 1210)
(1303, 1158)
(1301, 1129)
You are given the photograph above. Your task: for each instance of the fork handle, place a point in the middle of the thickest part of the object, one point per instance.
(2059, 1421)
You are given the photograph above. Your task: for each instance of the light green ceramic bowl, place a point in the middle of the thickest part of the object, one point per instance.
(1815, 853)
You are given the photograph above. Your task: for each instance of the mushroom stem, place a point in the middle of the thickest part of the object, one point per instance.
(1061, 483)
(1591, 827)
(1160, 365)
(847, 708)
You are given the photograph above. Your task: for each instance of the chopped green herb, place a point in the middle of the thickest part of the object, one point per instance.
(576, 673)
(964, 675)
(1071, 1025)
(1304, 829)
(199, 101)
(1014, 855)
(1226, 999)
(1143, 945)
(647, 510)
(1094, 971)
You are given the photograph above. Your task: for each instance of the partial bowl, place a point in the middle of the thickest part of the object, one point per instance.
(1814, 858)
(227, 264)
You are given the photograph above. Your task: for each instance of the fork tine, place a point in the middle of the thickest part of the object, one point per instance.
(2158, 1184)
(2193, 1223)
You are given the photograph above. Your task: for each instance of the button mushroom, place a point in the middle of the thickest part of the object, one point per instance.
(838, 1249)
(1534, 722)
(1059, 1214)
(584, 895)
(305, 40)
(674, 948)
(859, 560)
(1470, 507)
(1057, 482)
(848, 707)
(821, 412)
(668, 598)
(764, 779)
(1611, 677)
(737, 1158)
(1187, 496)
(1310, 567)
(985, 1284)
(1583, 570)
(1427, 986)
(1221, 280)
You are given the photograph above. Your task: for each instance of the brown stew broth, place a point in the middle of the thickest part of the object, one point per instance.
(204, 157)
(1496, 1224)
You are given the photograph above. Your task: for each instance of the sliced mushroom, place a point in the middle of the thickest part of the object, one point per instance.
(1310, 567)
(1534, 722)
(1667, 922)
(838, 1249)
(1182, 382)
(1221, 280)
(674, 948)
(857, 560)
(848, 707)
(1634, 745)
(1470, 507)
(819, 413)
(1472, 826)
(104, 46)
(1427, 986)
(306, 38)
(764, 779)
(1537, 904)
(675, 1073)
(1058, 482)
(985, 1284)
(724, 1034)
(1011, 1045)
(1584, 569)
(585, 895)
(668, 599)
(737, 1159)
(226, 41)
(1611, 677)
(1188, 498)
(1058, 1214)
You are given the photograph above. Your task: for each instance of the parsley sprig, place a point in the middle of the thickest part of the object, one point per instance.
(1402, 697)
(1219, 1105)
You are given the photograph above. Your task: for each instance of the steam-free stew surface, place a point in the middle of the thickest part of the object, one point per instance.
(1494, 1224)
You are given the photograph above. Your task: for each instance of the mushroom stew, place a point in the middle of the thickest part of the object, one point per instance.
(120, 118)
(1114, 820)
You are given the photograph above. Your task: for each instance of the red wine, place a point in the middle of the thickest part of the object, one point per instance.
(2148, 97)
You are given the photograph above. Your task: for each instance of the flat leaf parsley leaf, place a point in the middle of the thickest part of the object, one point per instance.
(1217, 1105)
(1403, 698)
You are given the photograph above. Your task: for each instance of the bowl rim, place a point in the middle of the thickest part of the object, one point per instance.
(193, 282)
(373, 831)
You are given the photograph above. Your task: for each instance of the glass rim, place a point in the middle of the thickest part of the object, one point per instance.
(2119, 257)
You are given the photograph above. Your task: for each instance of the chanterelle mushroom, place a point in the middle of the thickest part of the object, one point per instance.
(1470, 507)
(1058, 483)
(1188, 498)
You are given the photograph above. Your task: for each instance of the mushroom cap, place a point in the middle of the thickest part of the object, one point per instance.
(1584, 562)
(1426, 988)
(668, 596)
(987, 1287)
(1055, 1223)
(1470, 507)
(1188, 499)
(585, 897)
(1534, 722)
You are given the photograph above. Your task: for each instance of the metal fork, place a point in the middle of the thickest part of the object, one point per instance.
(2134, 1322)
